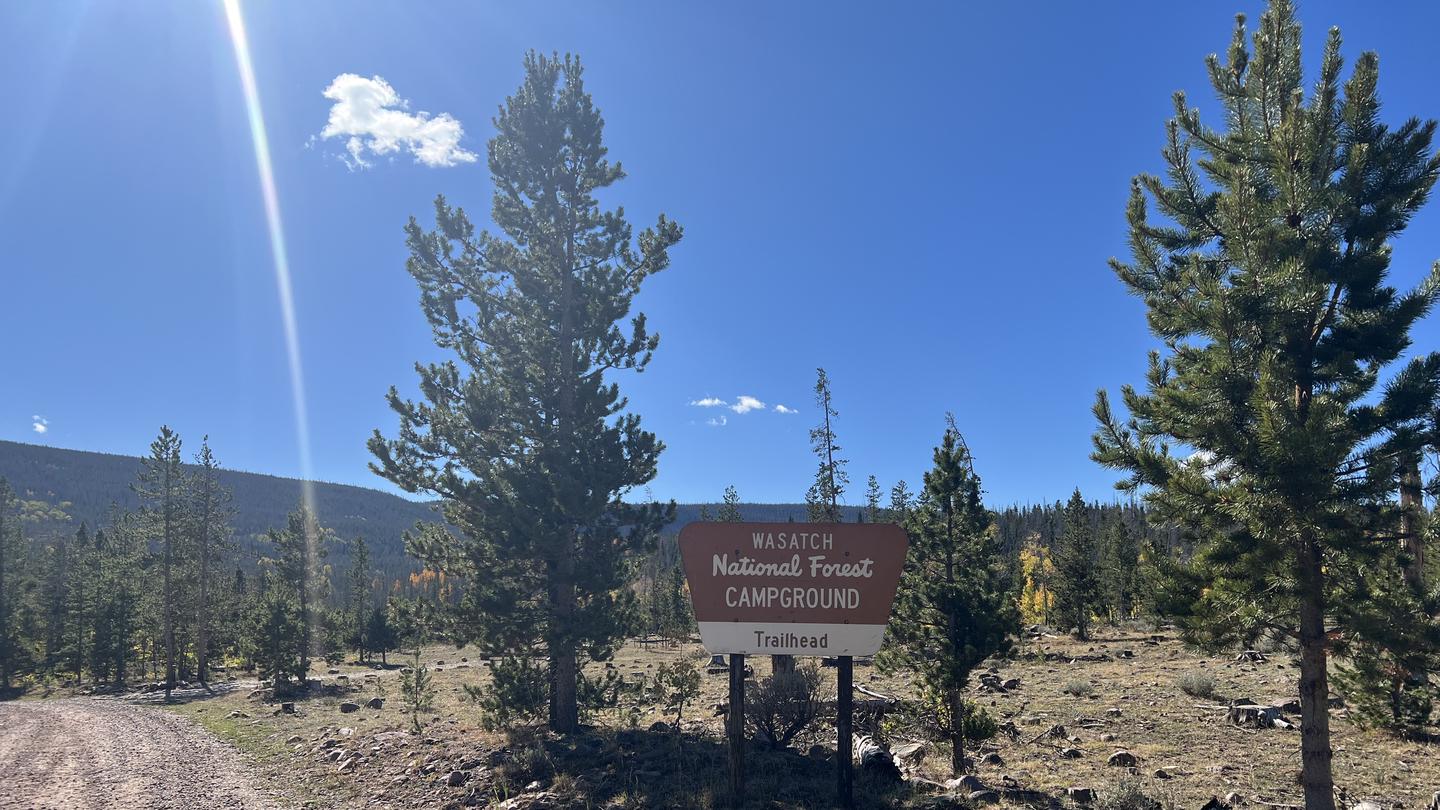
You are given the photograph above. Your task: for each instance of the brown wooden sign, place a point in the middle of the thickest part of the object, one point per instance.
(792, 588)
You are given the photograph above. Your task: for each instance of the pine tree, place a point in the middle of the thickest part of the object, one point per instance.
(9, 562)
(1267, 289)
(1077, 585)
(1119, 569)
(380, 633)
(299, 548)
(730, 507)
(161, 489)
(873, 512)
(525, 438)
(900, 502)
(357, 596)
(823, 497)
(954, 607)
(210, 508)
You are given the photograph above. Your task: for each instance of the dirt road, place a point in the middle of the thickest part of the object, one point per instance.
(80, 753)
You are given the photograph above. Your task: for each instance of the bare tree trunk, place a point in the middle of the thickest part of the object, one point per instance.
(957, 733)
(564, 708)
(1315, 752)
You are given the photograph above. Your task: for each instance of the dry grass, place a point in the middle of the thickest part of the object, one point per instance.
(613, 766)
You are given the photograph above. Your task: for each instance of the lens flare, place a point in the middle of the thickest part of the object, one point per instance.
(277, 244)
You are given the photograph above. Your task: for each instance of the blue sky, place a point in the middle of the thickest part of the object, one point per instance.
(919, 197)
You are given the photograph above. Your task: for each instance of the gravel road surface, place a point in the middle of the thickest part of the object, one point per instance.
(81, 753)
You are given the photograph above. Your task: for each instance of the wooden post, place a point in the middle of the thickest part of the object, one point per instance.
(844, 756)
(735, 728)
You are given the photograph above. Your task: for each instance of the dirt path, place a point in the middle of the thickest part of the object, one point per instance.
(109, 755)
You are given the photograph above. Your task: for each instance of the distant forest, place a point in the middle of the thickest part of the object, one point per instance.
(77, 487)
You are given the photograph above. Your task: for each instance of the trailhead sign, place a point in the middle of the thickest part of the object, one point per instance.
(792, 588)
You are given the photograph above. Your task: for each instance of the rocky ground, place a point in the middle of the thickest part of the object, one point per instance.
(1077, 718)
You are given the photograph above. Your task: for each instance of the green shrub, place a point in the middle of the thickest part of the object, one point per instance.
(1078, 688)
(519, 689)
(1127, 794)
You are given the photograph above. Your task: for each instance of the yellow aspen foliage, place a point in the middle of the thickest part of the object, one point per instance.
(1037, 571)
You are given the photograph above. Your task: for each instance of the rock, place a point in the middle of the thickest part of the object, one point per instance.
(911, 753)
(968, 783)
(332, 671)
(1233, 799)
(294, 738)
(345, 732)
(1070, 753)
(659, 726)
(457, 779)
(1080, 795)
(1011, 684)
(1214, 804)
(471, 764)
(236, 714)
(1366, 805)
(1113, 712)
(1122, 759)
(348, 765)
(288, 708)
(1161, 773)
(984, 797)
(533, 786)
(1434, 802)
(375, 703)
(992, 758)
(1107, 737)
(348, 707)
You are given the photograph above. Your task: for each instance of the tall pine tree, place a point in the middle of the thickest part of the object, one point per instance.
(523, 434)
(954, 607)
(1267, 288)
(1077, 582)
(161, 489)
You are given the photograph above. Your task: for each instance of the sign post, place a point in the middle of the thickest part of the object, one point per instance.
(817, 589)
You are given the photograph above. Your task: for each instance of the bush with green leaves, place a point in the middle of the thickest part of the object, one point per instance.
(679, 683)
(976, 724)
(1197, 683)
(417, 690)
(518, 691)
(1383, 690)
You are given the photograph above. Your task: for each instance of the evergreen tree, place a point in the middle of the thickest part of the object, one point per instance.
(954, 607)
(161, 489)
(900, 502)
(730, 507)
(523, 436)
(873, 513)
(379, 633)
(823, 497)
(299, 547)
(1077, 585)
(1119, 569)
(275, 638)
(210, 508)
(357, 596)
(9, 563)
(1267, 288)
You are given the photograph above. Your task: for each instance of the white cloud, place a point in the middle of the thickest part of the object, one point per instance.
(746, 404)
(719, 421)
(783, 409)
(39, 424)
(707, 402)
(373, 120)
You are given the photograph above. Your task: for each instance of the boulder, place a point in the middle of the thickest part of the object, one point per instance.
(347, 707)
(1161, 773)
(1010, 684)
(984, 797)
(1070, 753)
(1080, 795)
(287, 708)
(348, 764)
(1122, 759)
(456, 779)
(968, 783)
(293, 739)
(375, 703)
(992, 758)
(1233, 799)
(911, 753)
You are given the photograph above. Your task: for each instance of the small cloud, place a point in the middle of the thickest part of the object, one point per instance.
(718, 421)
(373, 120)
(746, 404)
(783, 409)
(707, 402)
(39, 424)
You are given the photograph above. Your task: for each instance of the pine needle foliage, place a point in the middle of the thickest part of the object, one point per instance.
(1276, 413)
